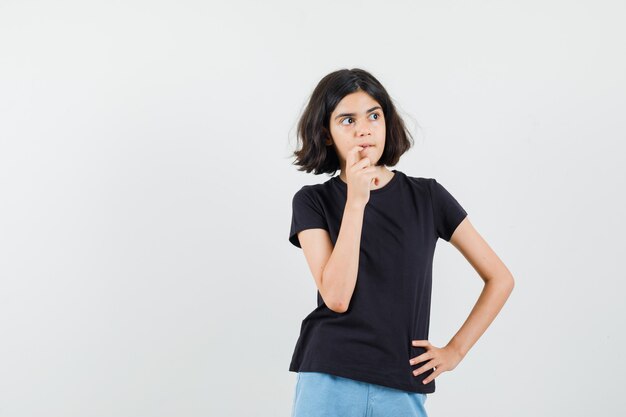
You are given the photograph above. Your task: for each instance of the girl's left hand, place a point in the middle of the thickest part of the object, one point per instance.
(441, 359)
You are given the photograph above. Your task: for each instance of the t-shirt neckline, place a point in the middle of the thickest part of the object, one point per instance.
(387, 186)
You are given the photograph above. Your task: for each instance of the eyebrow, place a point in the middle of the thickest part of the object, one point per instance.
(354, 114)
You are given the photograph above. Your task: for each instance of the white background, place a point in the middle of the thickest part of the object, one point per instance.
(146, 185)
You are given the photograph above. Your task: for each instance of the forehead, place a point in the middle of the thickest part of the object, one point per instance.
(355, 102)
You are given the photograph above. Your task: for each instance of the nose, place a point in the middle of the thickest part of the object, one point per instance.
(362, 129)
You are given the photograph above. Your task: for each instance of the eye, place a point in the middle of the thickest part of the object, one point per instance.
(350, 118)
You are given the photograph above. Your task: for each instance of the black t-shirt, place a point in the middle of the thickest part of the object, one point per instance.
(390, 305)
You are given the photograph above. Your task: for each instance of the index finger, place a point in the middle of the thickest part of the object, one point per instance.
(351, 158)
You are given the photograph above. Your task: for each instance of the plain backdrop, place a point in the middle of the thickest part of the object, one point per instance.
(146, 181)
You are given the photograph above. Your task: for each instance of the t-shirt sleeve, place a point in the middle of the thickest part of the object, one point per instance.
(306, 214)
(447, 211)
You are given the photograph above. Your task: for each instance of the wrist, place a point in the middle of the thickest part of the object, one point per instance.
(454, 347)
(354, 206)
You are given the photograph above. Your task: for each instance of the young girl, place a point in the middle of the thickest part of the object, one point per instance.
(369, 236)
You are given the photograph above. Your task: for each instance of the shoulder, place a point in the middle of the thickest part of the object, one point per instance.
(311, 194)
(313, 190)
(423, 184)
(429, 188)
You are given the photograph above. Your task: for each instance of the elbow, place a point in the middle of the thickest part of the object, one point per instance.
(337, 307)
(504, 281)
(510, 281)
(507, 284)
(334, 302)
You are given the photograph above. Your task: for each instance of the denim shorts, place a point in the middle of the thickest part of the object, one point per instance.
(324, 395)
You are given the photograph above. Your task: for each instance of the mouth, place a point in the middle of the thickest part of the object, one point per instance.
(365, 145)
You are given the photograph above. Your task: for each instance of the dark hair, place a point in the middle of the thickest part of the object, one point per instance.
(314, 125)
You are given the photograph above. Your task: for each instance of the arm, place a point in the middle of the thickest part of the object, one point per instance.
(498, 286)
(335, 269)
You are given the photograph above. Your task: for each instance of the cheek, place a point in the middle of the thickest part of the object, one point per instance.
(337, 133)
(341, 151)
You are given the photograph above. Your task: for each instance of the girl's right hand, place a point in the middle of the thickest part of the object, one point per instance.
(360, 175)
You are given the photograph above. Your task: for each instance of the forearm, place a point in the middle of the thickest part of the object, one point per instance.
(340, 272)
(491, 300)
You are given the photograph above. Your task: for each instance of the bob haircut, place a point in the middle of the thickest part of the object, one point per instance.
(314, 125)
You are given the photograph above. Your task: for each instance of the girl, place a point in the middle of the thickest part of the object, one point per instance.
(369, 236)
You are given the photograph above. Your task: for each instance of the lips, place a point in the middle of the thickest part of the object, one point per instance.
(365, 145)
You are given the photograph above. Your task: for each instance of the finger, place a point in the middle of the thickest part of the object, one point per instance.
(422, 343)
(363, 163)
(421, 358)
(429, 365)
(438, 371)
(352, 156)
(375, 176)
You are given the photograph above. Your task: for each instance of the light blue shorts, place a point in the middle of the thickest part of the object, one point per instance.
(324, 395)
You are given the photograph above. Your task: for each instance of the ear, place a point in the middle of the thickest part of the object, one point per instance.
(329, 138)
